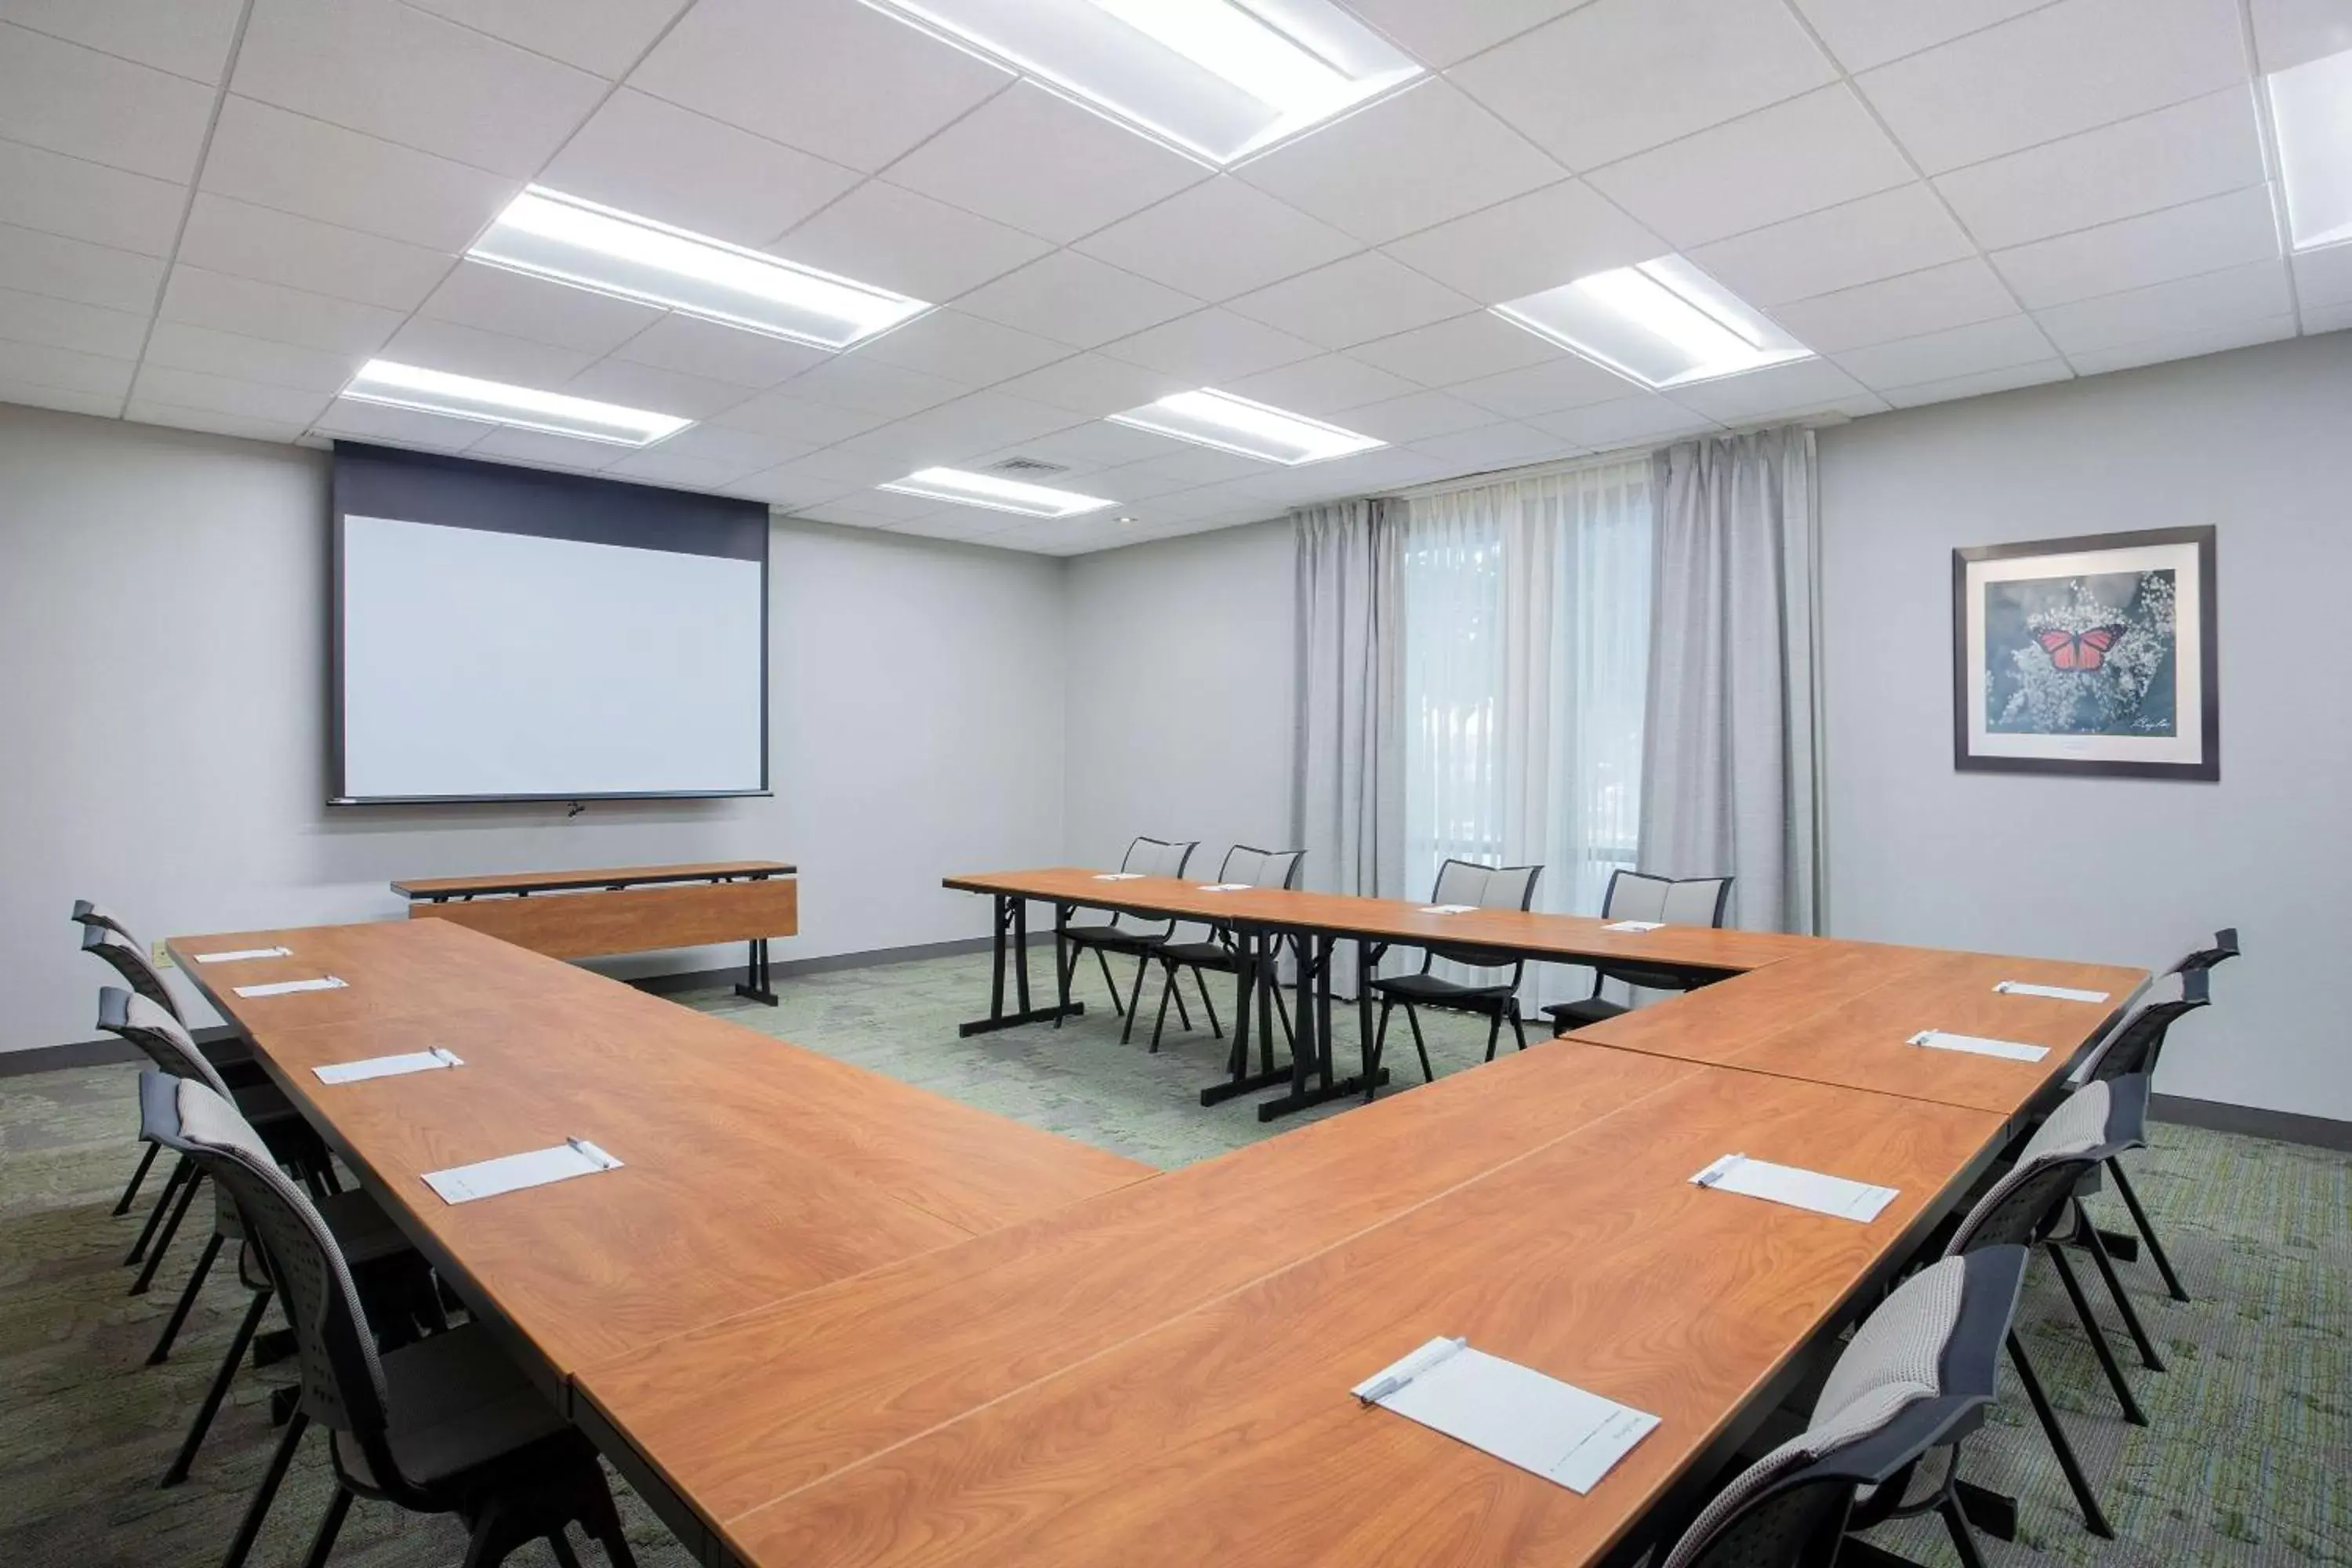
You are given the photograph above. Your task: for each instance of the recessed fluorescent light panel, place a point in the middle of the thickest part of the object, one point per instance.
(1232, 424)
(496, 402)
(1663, 323)
(997, 495)
(546, 234)
(2311, 105)
(1220, 78)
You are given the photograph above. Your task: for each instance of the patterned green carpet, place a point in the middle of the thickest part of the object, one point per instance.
(2248, 1461)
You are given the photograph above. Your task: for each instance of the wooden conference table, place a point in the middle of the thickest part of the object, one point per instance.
(823, 1317)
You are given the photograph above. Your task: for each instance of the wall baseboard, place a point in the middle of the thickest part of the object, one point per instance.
(2285, 1126)
(705, 979)
(88, 1053)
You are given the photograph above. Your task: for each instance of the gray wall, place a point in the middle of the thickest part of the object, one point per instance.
(164, 625)
(2128, 871)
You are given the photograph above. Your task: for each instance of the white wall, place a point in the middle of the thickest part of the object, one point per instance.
(1179, 694)
(2134, 871)
(163, 622)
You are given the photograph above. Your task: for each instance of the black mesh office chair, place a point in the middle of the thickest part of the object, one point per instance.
(1131, 935)
(1497, 1000)
(1220, 950)
(2132, 1051)
(1638, 895)
(446, 1425)
(1914, 1381)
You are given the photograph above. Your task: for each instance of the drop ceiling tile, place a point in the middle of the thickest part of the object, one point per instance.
(1321, 386)
(176, 345)
(2324, 277)
(270, 246)
(1620, 77)
(226, 395)
(1364, 472)
(2180, 242)
(1779, 163)
(536, 448)
(1467, 348)
(1092, 385)
(1089, 448)
(1799, 388)
(89, 274)
(779, 415)
(67, 370)
(957, 525)
(1928, 301)
(2215, 301)
(1499, 446)
(1530, 244)
(85, 201)
(954, 346)
(518, 306)
(212, 422)
(869, 386)
(314, 170)
(1417, 416)
(1564, 381)
(1211, 346)
(871, 507)
(88, 105)
(981, 422)
(399, 427)
(782, 489)
(186, 37)
(34, 395)
(68, 324)
(634, 386)
(1866, 33)
(1075, 299)
(2037, 375)
(274, 313)
(661, 465)
(1884, 235)
(646, 156)
(1194, 467)
(602, 36)
(2184, 345)
(908, 243)
(1443, 32)
(1364, 297)
(2200, 148)
(777, 67)
(1625, 422)
(2320, 318)
(2033, 79)
(1220, 238)
(1957, 351)
(694, 347)
(2292, 32)
(492, 356)
(1038, 161)
(1406, 162)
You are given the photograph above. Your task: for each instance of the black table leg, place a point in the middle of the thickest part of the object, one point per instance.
(1254, 990)
(1061, 964)
(1312, 1080)
(757, 982)
(1011, 922)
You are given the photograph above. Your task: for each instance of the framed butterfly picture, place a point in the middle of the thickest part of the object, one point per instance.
(2088, 656)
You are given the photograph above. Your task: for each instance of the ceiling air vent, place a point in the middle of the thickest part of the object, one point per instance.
(1028, 467)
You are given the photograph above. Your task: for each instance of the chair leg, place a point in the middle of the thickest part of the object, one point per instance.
(1200, 981)
(1282, 1011)
(2099, 1346)
(162, 1206)
(2093, 1518)
(230, 1362)
(1518, 1025)
(1161, 1022)
(1964, 1539)
(323, 1544)
(1494, 1031)
(241, 1546)
(1372, 1061)
(2107, 1265)
(600, 1521)
(561, 1548)
(164, 1238)
(1183, 1018)
(1135, 1001)
(2146, 1230)
(1103, 960)
(146, 1160)
(188, 1293)
(1412, 1017)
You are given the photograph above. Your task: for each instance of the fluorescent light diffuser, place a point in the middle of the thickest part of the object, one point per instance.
(1231, 423)
(997, 495)
(2311, 106)
(546, 234)
(496, 402)
(1662, 324)
(1220, 78)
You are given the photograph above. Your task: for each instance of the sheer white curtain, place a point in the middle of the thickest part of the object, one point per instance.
(1526, 617)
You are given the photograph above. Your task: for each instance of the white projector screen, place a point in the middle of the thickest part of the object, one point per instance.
(476, 663)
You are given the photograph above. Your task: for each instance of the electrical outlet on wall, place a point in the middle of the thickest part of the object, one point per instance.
(163, 954)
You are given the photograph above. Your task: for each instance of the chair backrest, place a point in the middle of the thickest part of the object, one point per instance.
(1261, 868)
(2134, 1045)
(130, 959)
(1153, 858)
(1671, 901)
(86, 913)
(1485, 887)
(2225, 948)
(157, 1033)
(2022, 1208)
(1915, 1376)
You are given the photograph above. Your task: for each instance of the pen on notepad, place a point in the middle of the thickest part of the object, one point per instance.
(1720, 1169)
(593, 1154)
(1397, 1380)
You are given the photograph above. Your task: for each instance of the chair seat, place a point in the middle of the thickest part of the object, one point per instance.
(1113, 938)
(1437, 992)
(1201, 954)
(458, 1404)
(1567, 1016)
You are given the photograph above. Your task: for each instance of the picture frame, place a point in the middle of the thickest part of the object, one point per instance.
(2097, 654)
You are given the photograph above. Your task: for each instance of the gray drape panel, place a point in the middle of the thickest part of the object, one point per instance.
(1347, 804)
(1729, 773)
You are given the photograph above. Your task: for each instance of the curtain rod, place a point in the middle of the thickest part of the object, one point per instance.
(1609, 458)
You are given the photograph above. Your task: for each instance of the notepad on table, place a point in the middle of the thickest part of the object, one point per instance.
(1119, 876)
(1225, 888)
(1637, 925)
(1447, 909)
(287, 987)
(512, 1172)
(2059, 993)
(387, 1067)
(1797, 1187)
(1520, 1415)
(1979, 1045)
(244, 953)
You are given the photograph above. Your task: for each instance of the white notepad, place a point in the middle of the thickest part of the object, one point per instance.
(1637, 925)
(1225, 888)
(1543, 1426)
(244, 953)
(1797, 1187)
(1119, 876)
(2061, 993)
(1979, 1045)
(1447, 909)
(512, 1172)
(287, 987)
(387, 1067)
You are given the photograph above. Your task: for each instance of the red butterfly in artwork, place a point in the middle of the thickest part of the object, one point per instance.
(2079, 651)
